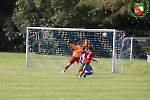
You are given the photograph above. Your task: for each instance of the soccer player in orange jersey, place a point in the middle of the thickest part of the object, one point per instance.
(76, 55)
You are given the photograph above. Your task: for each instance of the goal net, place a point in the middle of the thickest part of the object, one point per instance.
(44, 46)
(135, 47)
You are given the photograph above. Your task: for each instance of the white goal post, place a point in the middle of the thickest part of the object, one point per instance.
(116, 38)
(135, 47)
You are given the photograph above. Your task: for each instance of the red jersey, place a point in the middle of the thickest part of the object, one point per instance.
(88, 56)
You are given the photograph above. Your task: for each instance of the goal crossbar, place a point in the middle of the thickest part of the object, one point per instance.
(73, 29)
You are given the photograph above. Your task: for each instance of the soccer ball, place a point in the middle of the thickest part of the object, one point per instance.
(104, 34)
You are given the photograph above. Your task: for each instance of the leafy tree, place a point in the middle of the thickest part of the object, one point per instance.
(6, 9)
(81, 14)
(65, 13)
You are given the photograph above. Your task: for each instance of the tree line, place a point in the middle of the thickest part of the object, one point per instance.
(16, 15)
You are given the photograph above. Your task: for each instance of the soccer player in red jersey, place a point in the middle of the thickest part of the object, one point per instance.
(89, 69)
(76, 54)
(87, 59)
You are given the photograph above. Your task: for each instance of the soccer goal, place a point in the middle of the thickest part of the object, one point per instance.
(135, 47)
(44, 44)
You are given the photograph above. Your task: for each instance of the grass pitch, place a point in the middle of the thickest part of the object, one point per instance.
(18, 82)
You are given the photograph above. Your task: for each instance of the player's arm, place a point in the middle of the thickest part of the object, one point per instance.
(73, 46)
(85, 43)
(94, 60)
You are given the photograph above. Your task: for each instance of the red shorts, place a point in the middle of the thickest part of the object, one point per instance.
(73, 59)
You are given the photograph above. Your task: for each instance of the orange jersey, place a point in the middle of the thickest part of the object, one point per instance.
(77, 48)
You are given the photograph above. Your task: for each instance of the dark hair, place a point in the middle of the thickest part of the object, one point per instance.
(79, 42)
(90, 48)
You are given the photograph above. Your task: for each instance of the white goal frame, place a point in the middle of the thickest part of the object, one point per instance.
(73, 29)
(131, 43)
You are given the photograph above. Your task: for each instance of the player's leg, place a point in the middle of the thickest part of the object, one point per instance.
(89, 71)
(66, 67)
(72, 60)
(80, 62)
(80, 69)
(84, 68)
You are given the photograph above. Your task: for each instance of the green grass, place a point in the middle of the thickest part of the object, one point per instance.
(18, 82)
